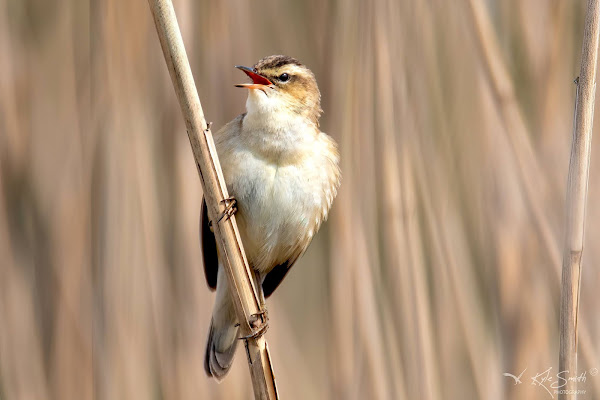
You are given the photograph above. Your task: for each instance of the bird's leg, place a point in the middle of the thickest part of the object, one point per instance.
(258, 285)
(260, 320)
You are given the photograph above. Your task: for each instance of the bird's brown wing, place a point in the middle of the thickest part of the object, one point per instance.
(209, 248)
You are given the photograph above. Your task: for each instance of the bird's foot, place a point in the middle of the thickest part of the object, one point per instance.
(230, 208)
(229, 211)
(259, 323)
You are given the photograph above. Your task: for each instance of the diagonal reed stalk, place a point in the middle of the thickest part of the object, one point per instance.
(247, 302)
(577, 187)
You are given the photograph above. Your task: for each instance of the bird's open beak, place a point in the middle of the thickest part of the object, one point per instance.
(258, 81)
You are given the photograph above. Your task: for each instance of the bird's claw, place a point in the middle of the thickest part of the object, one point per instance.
(229, 211)
(230, 208)
(263, 315)
(259, 324)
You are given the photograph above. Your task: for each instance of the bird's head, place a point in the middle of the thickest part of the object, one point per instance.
(282, 84)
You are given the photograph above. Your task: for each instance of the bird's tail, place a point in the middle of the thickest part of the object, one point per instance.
(220, 349)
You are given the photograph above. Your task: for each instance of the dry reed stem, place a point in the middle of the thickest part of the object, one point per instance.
(246, 300)
(532, 179)
(577, 187)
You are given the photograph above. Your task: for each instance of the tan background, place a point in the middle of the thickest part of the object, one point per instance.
(437, 271)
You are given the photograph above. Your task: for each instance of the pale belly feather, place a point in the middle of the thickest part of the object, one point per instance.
(279, 207)
(284, 181)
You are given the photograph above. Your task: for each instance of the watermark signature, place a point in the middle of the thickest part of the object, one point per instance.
(554, 383)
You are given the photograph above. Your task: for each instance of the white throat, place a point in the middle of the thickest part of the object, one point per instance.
(272, 129)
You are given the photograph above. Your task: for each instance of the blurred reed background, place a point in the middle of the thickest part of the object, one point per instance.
(437, 271)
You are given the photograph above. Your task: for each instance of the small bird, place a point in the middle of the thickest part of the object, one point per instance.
(283, 173)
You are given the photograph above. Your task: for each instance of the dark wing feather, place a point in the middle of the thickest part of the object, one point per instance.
(209, 248)
(276, 275)
(274, 278)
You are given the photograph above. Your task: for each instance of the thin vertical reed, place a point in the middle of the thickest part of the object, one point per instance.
(577, 188)
(246, 300)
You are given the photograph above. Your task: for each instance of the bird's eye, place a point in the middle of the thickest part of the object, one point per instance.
(284, 77)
